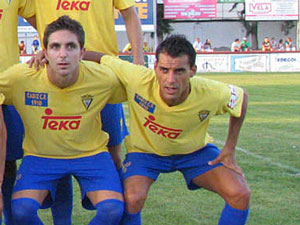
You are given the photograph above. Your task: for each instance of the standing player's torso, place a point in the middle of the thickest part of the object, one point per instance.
(96, 16)
(8, 33)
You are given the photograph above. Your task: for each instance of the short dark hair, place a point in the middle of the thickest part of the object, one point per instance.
(65, 23)
(177, 45)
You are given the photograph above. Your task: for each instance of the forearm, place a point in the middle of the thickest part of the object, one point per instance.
(116, 153)
(93, 56)
(134, 34)
(235, 124)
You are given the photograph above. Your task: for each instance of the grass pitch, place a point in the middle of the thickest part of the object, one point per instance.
(268, 151)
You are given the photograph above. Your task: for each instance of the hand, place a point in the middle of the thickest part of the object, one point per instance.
(38, 60)
(227, 158)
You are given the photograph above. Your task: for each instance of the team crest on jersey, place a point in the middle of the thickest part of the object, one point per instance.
(145, 104)
(203, 115)
(87, 100)
(36, 99)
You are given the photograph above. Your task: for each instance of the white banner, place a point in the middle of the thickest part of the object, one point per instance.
(271, 9)
(284, 62)
(213, 63)
(250, 63)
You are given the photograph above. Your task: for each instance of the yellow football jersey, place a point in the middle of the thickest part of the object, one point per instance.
(9, 11)
(158, 128)
(96, 17)
(61, 123)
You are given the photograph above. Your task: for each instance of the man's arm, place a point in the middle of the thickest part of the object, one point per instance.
(3, 136)
(227, 155)
(32, 21)
(134, 33)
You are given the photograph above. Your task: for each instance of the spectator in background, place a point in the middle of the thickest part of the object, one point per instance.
(280, 46)
(127, 48)
(274, 43)
(266, 45)
(245, 45)
(207, 46)
(288, 44)
(146, 47)
(35, 45)
(235, 46)
(22, 48)
(198, 45)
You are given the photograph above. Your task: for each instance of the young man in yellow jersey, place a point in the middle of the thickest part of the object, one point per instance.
(60, 107)
(98, 20)
(170, 110)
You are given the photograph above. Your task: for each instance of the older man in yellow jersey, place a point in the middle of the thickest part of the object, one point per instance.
(170, 110)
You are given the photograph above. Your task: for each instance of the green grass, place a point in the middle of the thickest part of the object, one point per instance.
(268, 151)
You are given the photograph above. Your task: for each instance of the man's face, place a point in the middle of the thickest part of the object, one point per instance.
(173, 75)
(63, 54)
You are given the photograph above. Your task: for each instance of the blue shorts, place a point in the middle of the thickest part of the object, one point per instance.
(113, 123)
(190, 165)
(15, 133)
(93, 173)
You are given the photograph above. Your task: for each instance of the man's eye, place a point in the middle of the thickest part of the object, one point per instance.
(71, 46)
(55, 46)
(164, 70)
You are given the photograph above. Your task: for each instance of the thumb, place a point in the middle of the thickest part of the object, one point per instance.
(214, 162)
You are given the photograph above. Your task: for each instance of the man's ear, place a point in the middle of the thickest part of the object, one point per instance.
(193, 70)
(82, 51)
(45, 53)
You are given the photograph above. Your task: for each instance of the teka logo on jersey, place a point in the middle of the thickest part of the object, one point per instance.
(1, 13)
(73, 5)
(161, 130)
(60, 122)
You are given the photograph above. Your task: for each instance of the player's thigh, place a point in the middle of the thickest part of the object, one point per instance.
(98, 179)
(137, 185)
(99, 196)
(38, 195)
(222, 180)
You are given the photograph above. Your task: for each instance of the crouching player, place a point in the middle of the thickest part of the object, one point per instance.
(170, 110)
(60, 106)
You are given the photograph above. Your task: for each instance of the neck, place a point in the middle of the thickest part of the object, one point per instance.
(62, 81)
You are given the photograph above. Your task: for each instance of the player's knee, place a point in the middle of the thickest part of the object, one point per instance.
(239, 197)
(135, 201)
(24, 209)
(110, 211)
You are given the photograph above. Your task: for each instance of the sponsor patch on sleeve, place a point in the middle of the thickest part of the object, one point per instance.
(145, 104)
(233, 98)
(36, 99)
